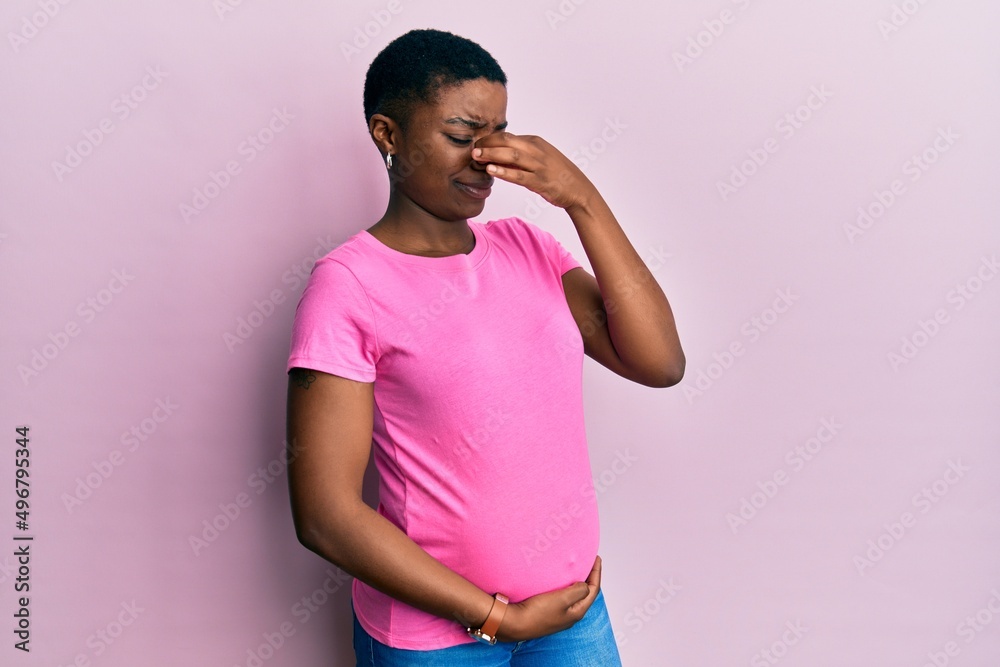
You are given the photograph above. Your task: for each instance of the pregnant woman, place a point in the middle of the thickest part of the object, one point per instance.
(454, 349)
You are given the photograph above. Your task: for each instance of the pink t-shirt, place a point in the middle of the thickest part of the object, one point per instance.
(478, 433)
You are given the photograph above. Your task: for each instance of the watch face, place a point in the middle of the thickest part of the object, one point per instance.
(486, 639)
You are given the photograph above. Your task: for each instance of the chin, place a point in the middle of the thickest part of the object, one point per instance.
(468, 211)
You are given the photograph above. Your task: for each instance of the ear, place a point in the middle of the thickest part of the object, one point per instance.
(385, 133)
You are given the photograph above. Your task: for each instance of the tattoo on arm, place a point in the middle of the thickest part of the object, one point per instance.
(303, 377)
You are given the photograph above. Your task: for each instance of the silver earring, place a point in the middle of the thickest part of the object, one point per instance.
(388, 160)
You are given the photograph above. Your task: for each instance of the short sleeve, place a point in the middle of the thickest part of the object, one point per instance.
(334, 327)
(554, 250)
(565, 260)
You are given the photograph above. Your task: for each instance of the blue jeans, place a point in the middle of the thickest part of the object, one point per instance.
(589, 643)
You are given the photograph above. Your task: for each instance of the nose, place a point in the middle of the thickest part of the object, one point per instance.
(476, 164)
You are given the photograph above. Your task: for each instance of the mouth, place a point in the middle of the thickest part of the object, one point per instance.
(479, 190)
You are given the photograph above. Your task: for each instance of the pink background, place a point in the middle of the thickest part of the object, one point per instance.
(882, 548)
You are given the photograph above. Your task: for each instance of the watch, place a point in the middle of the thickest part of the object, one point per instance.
(488, 633)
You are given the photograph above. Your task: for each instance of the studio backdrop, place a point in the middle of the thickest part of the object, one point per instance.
(814, 186)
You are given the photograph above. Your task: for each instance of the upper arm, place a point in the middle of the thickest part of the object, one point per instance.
(583, 295)
(329, 434)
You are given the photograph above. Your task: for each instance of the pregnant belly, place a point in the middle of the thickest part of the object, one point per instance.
(518, 543)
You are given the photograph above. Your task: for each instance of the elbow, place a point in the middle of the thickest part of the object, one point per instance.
(321, 542)
(314, 534)
(671, 373)
(668, 369)
(308, 535)
(325, 533)
(660, 374)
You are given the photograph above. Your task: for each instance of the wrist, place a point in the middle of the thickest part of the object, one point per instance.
(586, 206)
(487, 632)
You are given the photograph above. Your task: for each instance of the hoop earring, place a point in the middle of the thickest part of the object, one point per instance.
(388, 160)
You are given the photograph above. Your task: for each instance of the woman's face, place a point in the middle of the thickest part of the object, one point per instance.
(432, 159)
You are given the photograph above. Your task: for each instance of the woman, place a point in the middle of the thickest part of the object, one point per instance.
(456, 349)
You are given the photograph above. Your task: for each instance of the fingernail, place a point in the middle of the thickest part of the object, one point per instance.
(476, 152)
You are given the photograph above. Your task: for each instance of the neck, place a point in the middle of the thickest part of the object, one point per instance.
(411, 229)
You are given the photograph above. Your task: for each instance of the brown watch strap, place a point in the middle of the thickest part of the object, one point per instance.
(497, 612)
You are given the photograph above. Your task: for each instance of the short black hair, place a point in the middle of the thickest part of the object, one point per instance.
(412, 68)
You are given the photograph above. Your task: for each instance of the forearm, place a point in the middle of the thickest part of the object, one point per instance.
(371, 548)
(640, 321)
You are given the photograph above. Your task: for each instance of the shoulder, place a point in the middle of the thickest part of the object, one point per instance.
(350, 262)
(513, 226)
(352, 252)
(339, 273)
(520, 232)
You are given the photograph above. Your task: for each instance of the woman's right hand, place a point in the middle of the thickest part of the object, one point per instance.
(546, 613)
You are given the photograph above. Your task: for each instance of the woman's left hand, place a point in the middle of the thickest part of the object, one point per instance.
(537, 165)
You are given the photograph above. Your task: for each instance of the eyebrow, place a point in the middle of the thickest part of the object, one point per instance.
(473, 124)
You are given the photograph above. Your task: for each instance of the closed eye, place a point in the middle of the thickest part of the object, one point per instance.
(460, 141)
